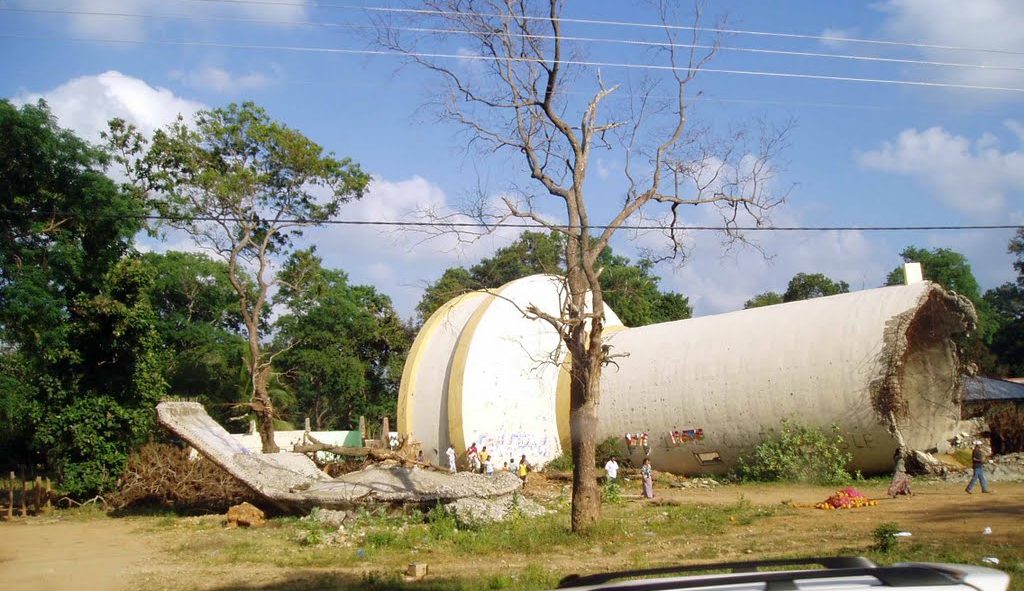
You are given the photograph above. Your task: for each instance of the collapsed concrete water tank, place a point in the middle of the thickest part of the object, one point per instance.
(704, 390)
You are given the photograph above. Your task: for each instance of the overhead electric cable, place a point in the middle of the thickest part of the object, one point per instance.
(454, 225)
(829, 38)
(456, 56)
(437, 31)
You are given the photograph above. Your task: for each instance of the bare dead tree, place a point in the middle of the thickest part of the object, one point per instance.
(517, 91)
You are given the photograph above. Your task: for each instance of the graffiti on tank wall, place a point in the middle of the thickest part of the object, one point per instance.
(683, 436)
(638, 440)
(538, 447)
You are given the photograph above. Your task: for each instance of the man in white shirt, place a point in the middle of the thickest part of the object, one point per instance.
(451, 459)
(612, 469)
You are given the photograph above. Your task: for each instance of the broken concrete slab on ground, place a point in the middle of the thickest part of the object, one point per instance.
(292, 482)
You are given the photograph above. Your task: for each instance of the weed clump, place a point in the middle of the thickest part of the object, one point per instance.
(885, 536)
(798, 453)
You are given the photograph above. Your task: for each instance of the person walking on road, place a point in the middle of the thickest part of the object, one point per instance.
(978, 462)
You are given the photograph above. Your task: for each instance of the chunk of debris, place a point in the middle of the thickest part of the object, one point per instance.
(244, 515)
(329, 517)
(920, 462)
(469, 512)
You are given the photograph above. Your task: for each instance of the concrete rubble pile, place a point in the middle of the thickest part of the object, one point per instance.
(1004, 468)
(293, 483)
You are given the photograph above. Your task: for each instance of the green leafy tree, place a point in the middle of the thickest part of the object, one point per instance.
(76, 333)
(951, 270)
(1005, 303)
(244, 187)
(200, 325)
(805, 286)
(89, 428)
(342, 347)
(631, 289)
(768, 298)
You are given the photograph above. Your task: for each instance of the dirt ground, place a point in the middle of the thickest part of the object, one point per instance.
(71, 551)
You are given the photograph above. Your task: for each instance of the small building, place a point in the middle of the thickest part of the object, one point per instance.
(1001, 402)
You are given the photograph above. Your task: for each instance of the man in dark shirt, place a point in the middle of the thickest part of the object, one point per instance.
(978, 462)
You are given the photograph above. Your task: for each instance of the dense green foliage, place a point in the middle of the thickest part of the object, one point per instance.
(798, 453)
(630, 289)
(200, 327)
(951, 270)
(1006, 306)
(342, 346)
(768, 298)
(77, 329)
(93, 334)
(805, 286)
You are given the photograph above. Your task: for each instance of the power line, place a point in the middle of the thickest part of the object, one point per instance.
(619, 23)
(437, 31)
(570, 62)
(525, 225)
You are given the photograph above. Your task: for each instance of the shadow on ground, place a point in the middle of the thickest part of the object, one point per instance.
(346, 581)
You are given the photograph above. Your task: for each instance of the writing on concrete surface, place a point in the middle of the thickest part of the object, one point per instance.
(538, 447)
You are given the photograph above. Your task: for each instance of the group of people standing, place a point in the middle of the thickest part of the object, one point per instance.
(611, 469)
(481, 462)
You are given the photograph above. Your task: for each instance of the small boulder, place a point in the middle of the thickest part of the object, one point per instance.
(244, 515)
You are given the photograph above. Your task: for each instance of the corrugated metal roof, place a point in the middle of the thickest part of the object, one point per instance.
(979, 389)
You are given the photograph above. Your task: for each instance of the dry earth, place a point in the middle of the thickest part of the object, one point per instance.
(68, 552)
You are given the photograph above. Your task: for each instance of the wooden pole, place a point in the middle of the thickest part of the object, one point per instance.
(10, 496)
(24, 493)
(37, 485)
(49, 496)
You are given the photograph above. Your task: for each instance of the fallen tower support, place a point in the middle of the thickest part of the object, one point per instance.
(292, 482)
(703, 390)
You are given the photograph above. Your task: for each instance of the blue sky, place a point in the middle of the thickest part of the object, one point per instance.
(861, 154)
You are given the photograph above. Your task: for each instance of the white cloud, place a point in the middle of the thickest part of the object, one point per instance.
(720, 279)
(222, 81)
(133, 28)
(87, 103)
(971, 177)
(401, 261)
(834, 37)
(978, 24)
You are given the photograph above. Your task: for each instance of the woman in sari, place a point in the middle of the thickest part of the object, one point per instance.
(900, 484)
(647, 475)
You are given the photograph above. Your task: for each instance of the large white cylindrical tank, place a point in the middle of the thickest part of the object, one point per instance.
(732, 377)
(704, 390)
(423, 393)
(504, 373)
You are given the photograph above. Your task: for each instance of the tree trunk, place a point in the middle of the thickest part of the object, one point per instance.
(586, 494)
(262, 406)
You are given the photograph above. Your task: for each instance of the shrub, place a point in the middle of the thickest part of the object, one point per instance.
(613, 446)
(162, 474)
(562, 463)
(611, 492)
(798, 454)
(885, 536)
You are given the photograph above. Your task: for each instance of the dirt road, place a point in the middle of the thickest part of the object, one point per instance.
(103, 553)
(58, 554)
